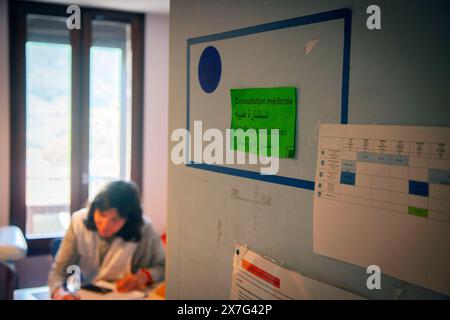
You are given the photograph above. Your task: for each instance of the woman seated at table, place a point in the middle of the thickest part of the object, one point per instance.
(111, 241)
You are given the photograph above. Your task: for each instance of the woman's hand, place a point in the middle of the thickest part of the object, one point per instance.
(62, 294)
(137, 281)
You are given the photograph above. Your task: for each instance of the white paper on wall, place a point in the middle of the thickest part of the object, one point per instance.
(382, 197)
(255, 277)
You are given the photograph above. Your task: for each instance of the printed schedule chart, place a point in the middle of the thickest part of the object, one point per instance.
(382, 196)
(411, 177)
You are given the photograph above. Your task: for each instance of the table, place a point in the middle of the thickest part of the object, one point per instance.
(43, 293)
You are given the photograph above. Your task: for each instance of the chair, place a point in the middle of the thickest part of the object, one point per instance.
(12, 247)
(54, 246)
(9, 281)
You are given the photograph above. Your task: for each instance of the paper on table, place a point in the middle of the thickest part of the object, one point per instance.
(114, 295)
(255, 277)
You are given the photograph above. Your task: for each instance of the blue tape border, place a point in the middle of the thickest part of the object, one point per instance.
(345, 14)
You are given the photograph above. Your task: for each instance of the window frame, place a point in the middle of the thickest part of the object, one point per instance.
(81, 43)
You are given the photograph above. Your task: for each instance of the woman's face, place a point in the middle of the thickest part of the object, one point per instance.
(108, 222)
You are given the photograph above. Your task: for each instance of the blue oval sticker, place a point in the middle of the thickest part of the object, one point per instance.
(209, 69)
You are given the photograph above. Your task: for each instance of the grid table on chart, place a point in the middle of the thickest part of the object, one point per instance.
(410, 177)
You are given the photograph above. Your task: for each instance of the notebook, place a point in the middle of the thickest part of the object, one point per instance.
(113, 295)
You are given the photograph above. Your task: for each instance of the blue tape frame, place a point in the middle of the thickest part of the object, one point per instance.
(345, 14)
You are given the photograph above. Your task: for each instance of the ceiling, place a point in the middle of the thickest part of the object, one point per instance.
(149, 6)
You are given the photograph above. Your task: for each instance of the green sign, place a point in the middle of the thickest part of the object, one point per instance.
(264, 109)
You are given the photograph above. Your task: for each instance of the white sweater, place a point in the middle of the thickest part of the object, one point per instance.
(81, 247)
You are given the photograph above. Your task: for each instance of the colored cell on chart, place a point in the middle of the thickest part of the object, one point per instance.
(418, 188)
(349, 166)
(439, 176)
(347, 178)
(418, 212)
(398, 160)
(381, 158)
(365, 156)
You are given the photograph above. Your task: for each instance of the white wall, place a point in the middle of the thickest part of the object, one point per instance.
(398, 75)
(4, 114)
(156, 87)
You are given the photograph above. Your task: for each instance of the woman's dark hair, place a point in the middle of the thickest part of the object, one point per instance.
(124, 197)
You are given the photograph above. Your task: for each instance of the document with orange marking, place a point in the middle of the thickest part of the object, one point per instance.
(255, 277)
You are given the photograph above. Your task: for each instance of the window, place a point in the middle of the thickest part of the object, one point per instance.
(110, 104)
(76, 110)
(48, 58)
